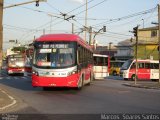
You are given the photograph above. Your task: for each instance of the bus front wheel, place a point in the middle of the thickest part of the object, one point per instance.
(80, 83)
(133, 77)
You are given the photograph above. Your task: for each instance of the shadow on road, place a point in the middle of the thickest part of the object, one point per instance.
(114, 77)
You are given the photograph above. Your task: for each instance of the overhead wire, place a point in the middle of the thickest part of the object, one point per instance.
(125, 17)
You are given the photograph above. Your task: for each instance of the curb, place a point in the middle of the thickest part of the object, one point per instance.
(13, 100)
(155, 86)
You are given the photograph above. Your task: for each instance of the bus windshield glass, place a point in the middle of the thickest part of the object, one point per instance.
(54, 54)
(101, 61)
(16, 61)
(126, 65)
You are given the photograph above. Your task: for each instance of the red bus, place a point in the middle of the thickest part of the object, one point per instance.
(147, 69)
(15, 64)
(61, 60)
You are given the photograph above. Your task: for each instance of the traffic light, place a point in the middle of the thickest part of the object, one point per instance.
(135, 30)
(104, 28)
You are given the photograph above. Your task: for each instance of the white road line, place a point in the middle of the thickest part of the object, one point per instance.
(12, 99)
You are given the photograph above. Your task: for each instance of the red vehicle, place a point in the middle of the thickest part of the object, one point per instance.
(146, 69)
(61, 60)
(15, 64)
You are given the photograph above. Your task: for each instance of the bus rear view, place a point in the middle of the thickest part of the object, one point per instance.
(15, 64)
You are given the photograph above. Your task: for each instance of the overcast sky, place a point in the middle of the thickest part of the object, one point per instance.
(119, 16)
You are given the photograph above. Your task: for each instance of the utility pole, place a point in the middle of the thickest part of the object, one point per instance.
(135, 31)
(1, 32)
(143, 22)
(90, 35)
(86, 21)
(50, 23)
(72, 28)
(159, 39)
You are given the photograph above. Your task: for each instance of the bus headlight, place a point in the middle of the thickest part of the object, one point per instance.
(71, 73)
(34, 72)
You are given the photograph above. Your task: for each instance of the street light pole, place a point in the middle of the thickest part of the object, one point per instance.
(85, 36)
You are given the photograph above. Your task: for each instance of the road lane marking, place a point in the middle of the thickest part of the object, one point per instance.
(10, 97)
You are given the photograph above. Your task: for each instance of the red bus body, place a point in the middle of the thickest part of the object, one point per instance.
(45, 74)
(147, 69)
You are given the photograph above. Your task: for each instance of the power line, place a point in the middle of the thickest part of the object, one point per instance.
(92, 6)
(80, 6)
(53, 7)
(126, 17)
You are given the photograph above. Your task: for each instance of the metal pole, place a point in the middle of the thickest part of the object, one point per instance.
(90, 36)
(1, 32)
(143, 23)
(159, 39)
(72, 28)
(136, 55)
(14, 5)
(86, 20)
(51, 25)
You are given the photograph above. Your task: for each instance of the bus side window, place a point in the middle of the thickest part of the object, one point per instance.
(148, 66)
(141, 65)
(156, 66)
(133, 66)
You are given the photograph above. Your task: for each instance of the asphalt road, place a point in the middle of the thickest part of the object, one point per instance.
(104, 96)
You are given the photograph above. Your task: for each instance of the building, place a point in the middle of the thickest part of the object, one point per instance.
(147, 45)
(105, 50)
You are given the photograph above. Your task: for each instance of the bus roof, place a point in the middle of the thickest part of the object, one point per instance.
(63, 38)
(147, 60)
(100, 55)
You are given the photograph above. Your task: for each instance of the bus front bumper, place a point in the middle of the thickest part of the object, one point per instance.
(41, 81)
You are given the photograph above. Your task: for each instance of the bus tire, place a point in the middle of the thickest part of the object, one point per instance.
(80, 83)
(154, 80)
(45, 88)
(125, 78)
(114, 73)
(133, 77)
(90, 79)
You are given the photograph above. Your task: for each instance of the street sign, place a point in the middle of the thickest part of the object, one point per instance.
(11, 40)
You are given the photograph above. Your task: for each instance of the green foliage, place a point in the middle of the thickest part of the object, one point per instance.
(19, 49)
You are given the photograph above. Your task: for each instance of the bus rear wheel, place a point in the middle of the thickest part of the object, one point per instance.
(114, 73)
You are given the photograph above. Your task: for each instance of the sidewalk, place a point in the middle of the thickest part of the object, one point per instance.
(143, 84)
(6, 100)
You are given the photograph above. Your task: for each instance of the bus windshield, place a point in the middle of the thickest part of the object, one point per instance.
(126, 65)
(100, 61)
(54, 54)
(16, 61)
